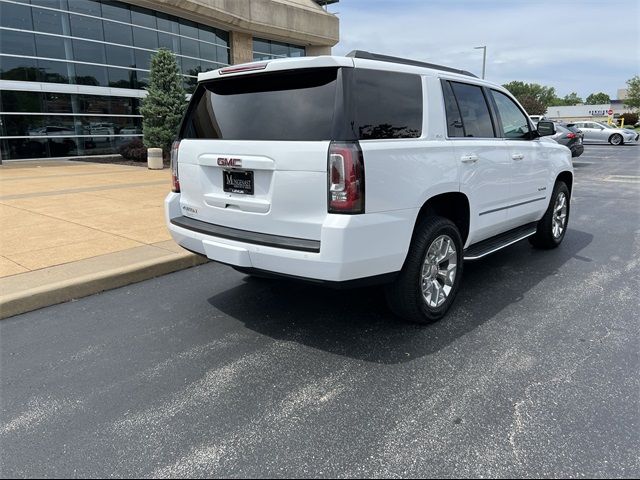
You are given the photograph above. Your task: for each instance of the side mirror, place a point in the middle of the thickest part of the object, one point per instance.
(546, 128)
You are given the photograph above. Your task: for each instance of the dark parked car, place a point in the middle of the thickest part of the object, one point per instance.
(570, 136)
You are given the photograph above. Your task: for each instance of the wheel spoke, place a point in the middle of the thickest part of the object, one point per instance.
(437, 288)
(447, 275)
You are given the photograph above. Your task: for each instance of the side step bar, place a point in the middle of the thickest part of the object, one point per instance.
(493, 244)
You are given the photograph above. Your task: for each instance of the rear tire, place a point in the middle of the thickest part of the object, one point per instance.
(430, 277)
(553, 226)
(616, 139)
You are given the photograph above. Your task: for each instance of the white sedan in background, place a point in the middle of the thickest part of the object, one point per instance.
(602, 133)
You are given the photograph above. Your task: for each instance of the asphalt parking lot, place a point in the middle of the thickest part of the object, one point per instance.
(207, 372)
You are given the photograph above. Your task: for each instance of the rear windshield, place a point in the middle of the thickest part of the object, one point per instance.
(292, 105)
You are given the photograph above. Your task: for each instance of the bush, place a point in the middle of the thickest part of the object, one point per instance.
(165, 103)
(630, 119)
(134, 151)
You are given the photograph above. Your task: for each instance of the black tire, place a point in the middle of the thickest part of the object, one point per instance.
(404, 295)
(616, 139)
(544, 236)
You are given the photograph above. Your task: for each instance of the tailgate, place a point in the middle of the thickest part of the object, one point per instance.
(282, 189)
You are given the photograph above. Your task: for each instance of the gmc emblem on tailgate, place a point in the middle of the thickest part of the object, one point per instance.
(229, 162)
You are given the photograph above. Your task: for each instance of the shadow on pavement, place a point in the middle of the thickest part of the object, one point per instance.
(357, 324)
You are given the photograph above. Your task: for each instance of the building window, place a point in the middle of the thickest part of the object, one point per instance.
(269, 49)
(38, 124)
(104, 43)
(110, 33)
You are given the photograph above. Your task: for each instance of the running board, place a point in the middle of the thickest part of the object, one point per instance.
(493, 244)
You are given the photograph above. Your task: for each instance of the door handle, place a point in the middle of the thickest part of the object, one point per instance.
(517, 156)
(469, 158)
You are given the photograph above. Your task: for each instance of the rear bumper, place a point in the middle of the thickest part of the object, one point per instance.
(255, 238)
(351, 247)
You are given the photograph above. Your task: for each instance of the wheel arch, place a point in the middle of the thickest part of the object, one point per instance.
(566, 177)
(451, 205)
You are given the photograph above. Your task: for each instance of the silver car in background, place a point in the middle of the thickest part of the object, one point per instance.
(602, 133)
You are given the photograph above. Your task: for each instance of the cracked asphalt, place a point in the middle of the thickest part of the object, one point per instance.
(206, 372)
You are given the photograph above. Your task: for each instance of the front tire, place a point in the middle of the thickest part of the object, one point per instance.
(552, 227)
(616, 139)
(429, 280)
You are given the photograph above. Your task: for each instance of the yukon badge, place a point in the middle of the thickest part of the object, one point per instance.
(229, 162)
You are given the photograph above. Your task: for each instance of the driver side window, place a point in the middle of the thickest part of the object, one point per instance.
(514, 122)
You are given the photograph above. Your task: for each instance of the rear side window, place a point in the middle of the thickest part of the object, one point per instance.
(455, 128)
(292, 105)
(387, 104)
(474, 110)
(514, 122)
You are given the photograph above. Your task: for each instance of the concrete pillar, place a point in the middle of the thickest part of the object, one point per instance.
(315, 50)
(241, 47)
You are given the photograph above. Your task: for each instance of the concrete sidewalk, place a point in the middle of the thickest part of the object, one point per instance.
(70, 229)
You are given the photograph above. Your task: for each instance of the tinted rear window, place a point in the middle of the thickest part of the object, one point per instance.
(455, 127)
(474, 109)
(388, 104)
(292, 105)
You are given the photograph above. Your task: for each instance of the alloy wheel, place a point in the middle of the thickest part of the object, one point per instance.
(439, 271)
(559, 220)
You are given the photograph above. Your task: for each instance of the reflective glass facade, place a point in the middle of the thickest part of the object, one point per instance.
(94, 43)
(270, 49)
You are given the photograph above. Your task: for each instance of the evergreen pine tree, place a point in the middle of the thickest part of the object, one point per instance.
(165, 103)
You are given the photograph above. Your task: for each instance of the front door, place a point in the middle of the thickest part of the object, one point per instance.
(529, 163)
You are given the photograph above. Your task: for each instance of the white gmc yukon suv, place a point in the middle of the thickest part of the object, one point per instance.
(363, 169)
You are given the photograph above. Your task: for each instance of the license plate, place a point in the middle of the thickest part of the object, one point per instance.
(238, 181)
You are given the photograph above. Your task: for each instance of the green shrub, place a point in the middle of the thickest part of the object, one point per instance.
(630, 119)
(163, 107)
(134, 151)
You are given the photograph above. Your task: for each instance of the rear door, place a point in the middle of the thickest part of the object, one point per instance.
(253, 153)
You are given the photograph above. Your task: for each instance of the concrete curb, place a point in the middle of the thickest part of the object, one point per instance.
(82, 286)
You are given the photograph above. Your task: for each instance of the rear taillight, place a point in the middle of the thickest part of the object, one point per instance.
(175, 181)
(571, 135)
(345, 178)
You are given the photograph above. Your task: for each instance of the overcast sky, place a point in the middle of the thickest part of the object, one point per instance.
(584, 46)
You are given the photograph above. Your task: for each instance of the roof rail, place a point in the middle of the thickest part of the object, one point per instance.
(405, 61)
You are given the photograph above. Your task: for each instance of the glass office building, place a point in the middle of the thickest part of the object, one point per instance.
(73, 72)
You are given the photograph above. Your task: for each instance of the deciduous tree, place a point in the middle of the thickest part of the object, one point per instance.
(540, 93)
(633, 92)
(532, 105)
(598, 98)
